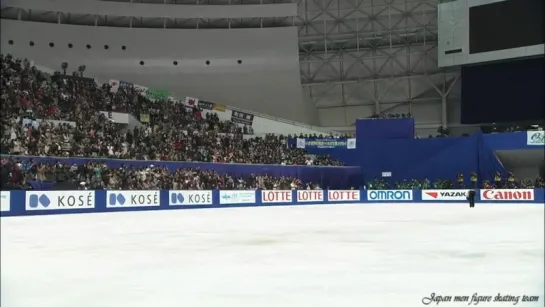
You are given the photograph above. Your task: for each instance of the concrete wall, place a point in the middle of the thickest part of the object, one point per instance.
(267, 81)
(111, 8)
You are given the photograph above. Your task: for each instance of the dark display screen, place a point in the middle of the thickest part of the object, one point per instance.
(506, 25)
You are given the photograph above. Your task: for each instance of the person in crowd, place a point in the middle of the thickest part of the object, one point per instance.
(47, 116)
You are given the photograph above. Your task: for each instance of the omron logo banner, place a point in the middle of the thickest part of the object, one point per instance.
(390, 195)
(185, 198)
(55, 200)
(128, 199)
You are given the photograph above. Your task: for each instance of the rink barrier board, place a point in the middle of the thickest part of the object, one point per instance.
(23, 203)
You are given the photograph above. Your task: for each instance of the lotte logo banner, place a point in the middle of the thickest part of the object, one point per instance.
(276, 196)
(343, 195)
(310, 196)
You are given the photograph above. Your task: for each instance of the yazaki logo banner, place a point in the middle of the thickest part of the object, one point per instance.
(59, 200)
(343, 195)
(310, 196)
(276, 196)
(449, 195)
(131, 199)
(507, 195)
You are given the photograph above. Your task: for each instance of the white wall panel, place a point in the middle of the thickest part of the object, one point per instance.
(113, 8)
(338, 116)
(427, 111)
(332, 117)
(267, 81)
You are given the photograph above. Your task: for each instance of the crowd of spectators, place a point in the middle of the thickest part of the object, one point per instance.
(67, 116)
(174, 132)
(441, 184)
(22, 173)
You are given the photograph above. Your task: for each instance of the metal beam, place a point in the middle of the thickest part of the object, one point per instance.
(369, 80)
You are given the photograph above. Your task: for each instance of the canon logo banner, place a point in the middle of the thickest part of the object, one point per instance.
(507, 195)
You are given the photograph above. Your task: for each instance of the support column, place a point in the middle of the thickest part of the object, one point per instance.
(444, 118)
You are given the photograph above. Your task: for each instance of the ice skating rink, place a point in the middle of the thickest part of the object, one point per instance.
(301, 256)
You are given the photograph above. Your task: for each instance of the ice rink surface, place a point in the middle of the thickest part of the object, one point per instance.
(301, 256)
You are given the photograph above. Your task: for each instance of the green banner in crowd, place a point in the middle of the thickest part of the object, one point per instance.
(157, 94)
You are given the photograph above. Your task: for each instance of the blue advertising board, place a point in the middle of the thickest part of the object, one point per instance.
(34, 202)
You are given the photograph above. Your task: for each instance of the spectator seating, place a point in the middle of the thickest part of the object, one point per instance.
(61, 117)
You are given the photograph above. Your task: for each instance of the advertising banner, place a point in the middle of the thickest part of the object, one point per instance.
(326, 143)
(535, 138)
(5, 201)
(187, 198)
(276, 196)
(237, 197)
(390, 195)
(448, 195)
(507, 195)
(310, 196)
(343, 195)
(242, 117)
(128, 199)
(24, 203)
(59, 200)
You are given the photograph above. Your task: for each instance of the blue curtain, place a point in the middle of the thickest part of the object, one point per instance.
(489, 163)
(437, 158)
(398, 128)
(41, 185)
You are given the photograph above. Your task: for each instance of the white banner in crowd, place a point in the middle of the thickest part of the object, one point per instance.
(151, 94)
(535, 138)
(326, 143)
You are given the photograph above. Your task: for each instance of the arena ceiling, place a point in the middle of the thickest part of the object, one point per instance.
(357, 57)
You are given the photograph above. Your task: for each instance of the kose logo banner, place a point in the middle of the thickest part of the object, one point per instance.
(5, 201)
(276, 196)
(343, 195)
(393, 195)
(237, 197)
(507, 195)
(131, 199)
(55, 200)
(449, 195)
(185, 198)
(310, 196)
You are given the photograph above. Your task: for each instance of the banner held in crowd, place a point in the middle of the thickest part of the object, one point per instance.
(219, 107)
(144, 118)
(155, 94)
(326, 143)
(242, 117)
(201, 104)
